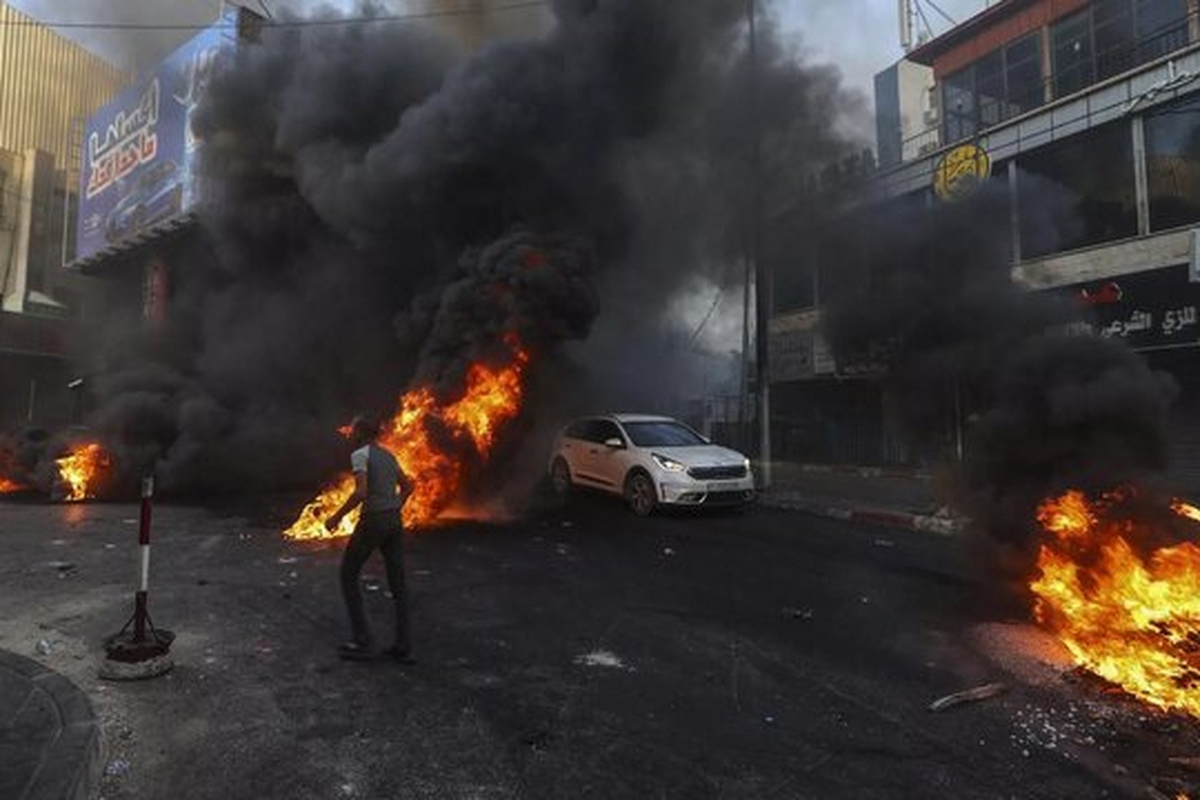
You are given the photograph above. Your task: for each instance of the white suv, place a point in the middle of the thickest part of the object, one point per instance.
(650, 461)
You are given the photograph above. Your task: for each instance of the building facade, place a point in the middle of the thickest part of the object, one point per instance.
(477, 22)
(1087, 114)
(48, 86)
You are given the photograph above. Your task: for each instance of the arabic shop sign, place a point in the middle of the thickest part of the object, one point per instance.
(140, 155)
(1148, 310)
(960, 172)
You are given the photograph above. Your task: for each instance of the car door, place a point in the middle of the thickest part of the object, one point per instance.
(574, 449)
(608, 463)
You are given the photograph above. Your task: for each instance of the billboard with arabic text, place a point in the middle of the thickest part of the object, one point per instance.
(140, 155)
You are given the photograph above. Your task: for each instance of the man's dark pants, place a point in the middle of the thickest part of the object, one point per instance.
(379, 530)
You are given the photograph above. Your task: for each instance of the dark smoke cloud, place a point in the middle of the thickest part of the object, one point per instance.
(389, 212)
(1049, 404)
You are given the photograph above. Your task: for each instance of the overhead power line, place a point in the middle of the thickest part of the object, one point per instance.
(278, 23)
(939, 10)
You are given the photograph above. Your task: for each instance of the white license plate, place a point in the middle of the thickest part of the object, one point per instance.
(727, 486)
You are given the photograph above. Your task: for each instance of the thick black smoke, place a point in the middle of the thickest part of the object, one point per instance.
(389, 212)
(1048, 404)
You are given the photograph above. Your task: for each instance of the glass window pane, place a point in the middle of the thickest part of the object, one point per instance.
(1072, 46)
(958, 105)
(1078, 192)
(1114, 36)
(1023, 75)
(989, 88)
(1173, 164)
(1162, 28)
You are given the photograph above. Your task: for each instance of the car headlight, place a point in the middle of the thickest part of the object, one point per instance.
(669, 464)
(746, 464)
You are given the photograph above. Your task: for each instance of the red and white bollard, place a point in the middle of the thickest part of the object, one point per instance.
(144, 651)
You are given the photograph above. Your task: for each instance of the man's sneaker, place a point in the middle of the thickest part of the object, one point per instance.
(355, 651)
(399, 656)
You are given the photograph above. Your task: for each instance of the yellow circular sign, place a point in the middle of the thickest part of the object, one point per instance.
(961, 171)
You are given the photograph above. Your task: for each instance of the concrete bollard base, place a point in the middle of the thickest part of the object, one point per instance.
(129, 660)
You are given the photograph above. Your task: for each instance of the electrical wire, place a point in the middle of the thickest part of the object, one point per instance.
(921, 13)
(295, 23)
(939, 10)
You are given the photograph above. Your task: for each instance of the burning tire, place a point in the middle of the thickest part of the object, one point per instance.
(560, 479)
(639, 493)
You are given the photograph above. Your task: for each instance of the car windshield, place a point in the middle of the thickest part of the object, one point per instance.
(662, 434)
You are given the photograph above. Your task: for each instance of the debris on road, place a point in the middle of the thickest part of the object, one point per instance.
(798, 613)
(43, 647)
(601, 658)
(667, 551)
(62, 568)
(117, 767)
(968, 696)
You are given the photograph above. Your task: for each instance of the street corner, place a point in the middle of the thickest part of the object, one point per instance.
(49, 736)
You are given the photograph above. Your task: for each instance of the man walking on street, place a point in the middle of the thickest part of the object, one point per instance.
(377, 477)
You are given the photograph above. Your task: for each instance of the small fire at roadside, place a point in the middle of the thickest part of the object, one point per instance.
(80, 469)
(426, 436)
(1128, 615)
(8, 486)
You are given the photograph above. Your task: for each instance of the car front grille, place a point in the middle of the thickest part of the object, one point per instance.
(727, 498)
(718, 473)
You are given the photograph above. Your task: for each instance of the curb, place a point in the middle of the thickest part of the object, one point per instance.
(865, 472)
(70, 763)
(923, 523)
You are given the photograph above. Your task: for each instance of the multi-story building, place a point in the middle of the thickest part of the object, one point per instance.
(48, 86)
(478, 21)
(1095, 102)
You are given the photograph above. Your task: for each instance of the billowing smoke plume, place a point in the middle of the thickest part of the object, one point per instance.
(1046, 404)
(390, 212)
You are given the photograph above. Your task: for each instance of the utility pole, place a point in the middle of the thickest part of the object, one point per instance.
(762, 278)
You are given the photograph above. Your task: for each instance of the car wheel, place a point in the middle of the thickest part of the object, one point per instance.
(560, 478)
(639, 493)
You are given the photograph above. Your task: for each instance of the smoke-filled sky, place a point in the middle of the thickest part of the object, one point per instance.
(859, 36)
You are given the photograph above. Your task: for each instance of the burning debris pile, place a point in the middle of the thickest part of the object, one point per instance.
(523, 292)
(82, 470)
(1122, 598)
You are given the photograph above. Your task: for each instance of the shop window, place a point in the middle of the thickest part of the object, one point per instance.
(1078, 192)
(999, 86)
(1173, 164)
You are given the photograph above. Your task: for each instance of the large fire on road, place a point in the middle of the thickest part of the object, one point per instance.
(80, 469)
(1132, 620)
(419, 434)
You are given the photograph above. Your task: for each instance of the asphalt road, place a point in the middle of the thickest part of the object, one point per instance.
(580, 653)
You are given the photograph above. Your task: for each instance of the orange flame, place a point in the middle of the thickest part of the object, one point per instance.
(1131, 621)
(79, 470)
(8, 486)
(492, 397)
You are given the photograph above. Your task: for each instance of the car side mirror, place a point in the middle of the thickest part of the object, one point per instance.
(614, 443)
